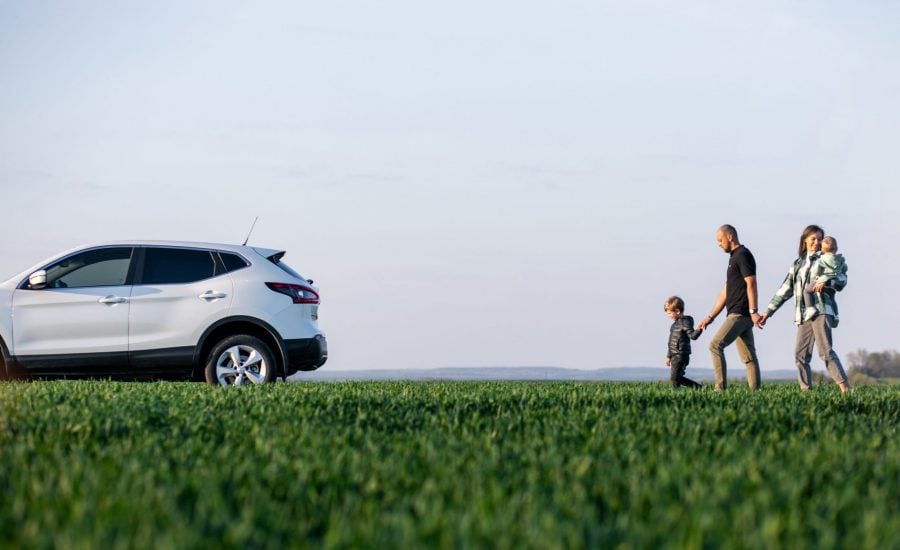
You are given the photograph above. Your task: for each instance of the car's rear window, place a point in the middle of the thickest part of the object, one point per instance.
(232, 262)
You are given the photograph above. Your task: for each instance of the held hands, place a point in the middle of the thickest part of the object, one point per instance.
(758, 321)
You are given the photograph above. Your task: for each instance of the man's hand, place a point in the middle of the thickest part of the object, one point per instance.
(704, 323)
(757, 319)
(761, 322)
(668, 362)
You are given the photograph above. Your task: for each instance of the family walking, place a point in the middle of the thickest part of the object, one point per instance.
(812, 280)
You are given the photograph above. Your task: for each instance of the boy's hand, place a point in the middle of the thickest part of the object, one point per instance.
(668, 362)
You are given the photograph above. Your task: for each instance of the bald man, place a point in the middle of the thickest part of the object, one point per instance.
(740, 297)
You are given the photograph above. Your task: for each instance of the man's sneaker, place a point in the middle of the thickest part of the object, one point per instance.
(810, 314)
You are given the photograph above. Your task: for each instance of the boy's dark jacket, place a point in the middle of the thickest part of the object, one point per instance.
(682, 329)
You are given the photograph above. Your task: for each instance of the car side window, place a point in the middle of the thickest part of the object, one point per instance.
(232, 262)
(163, 266)
(100, 267)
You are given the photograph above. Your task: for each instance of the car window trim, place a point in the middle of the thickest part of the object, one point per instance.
(219, 263)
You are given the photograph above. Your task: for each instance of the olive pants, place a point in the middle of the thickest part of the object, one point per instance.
(739, 329)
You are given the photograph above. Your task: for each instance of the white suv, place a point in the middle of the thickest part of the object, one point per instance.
(151, 309)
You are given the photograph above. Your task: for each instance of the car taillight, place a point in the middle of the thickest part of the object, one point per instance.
(299, 294)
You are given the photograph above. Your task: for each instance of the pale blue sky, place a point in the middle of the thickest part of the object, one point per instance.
(472, 183)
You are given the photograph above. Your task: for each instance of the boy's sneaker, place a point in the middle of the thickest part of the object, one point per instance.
(810, 314)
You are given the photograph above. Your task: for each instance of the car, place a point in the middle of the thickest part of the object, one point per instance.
(227, 314)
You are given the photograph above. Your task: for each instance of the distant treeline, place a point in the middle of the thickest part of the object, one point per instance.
(865, 367)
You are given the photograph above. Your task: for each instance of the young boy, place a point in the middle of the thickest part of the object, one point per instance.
(679, 345)
(822, 270)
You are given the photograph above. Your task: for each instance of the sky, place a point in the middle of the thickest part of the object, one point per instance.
(470, 183)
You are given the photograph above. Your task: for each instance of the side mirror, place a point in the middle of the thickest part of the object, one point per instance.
(37, 280)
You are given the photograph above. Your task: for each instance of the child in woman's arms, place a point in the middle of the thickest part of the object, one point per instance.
(826, 267)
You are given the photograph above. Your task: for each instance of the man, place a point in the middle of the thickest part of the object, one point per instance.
(740, 298)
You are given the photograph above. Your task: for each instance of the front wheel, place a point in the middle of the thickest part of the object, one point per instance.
(239, 360)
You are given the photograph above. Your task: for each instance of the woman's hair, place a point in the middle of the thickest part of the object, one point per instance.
(810, 229)
(674, 303)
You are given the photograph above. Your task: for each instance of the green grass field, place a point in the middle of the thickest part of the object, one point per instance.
(101, 464)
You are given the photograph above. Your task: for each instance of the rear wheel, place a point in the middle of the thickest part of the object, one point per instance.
(239, 360)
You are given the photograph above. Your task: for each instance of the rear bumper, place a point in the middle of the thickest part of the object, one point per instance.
(305, 354)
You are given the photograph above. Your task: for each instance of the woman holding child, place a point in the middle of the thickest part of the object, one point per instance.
(815, 315)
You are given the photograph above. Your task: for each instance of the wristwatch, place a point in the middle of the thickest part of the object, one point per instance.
(753, 310)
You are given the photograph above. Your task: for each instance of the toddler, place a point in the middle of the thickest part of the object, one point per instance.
(680, 336)
(826, 267)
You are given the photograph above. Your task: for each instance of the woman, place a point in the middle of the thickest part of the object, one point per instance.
(816, 332)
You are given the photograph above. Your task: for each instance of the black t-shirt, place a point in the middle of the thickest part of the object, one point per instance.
(740, 265)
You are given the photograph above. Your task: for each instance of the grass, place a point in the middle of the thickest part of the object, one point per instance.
(449, 464)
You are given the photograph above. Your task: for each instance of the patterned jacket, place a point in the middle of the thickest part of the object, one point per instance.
(798, 277)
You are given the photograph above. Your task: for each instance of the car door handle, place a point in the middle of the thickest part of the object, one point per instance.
(112, 300)
(210, 295)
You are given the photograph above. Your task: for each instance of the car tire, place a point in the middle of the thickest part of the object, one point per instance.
(238, 360)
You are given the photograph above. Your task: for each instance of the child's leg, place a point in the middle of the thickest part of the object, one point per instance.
(683, 380)
(676, 376)
(676, 370)
(810, 298)
(820, 303)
